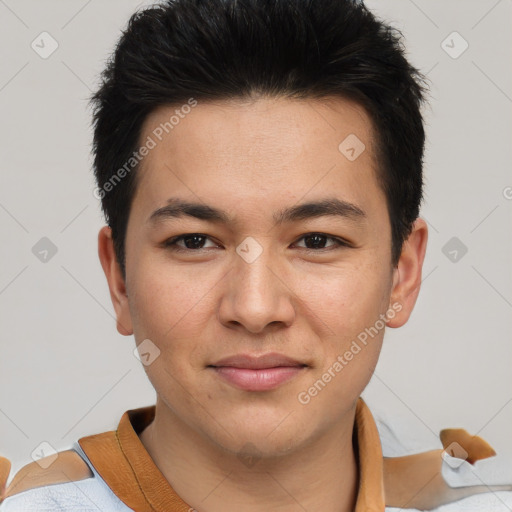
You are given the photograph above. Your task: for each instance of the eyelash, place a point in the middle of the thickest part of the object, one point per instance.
(171, 242)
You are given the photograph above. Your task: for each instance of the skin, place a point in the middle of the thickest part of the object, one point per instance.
(253, 159)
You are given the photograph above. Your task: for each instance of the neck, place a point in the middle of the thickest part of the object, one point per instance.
(320, 476)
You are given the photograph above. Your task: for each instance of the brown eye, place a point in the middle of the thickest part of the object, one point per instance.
(317, 242)
(191, 242)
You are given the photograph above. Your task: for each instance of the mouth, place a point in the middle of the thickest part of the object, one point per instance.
(257, 373)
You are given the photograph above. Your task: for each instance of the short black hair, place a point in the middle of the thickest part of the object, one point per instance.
(223, 49)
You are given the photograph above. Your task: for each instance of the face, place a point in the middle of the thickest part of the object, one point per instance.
(255, 272)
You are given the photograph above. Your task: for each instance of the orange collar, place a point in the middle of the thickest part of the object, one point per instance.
(123, 462)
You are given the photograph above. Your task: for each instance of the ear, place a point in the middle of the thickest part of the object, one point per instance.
(407, 274)
(115, 281)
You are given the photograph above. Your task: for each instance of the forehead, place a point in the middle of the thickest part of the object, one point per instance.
(263, 152)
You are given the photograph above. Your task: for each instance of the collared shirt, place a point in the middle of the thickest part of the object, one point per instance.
(123, 476)
(124, 464)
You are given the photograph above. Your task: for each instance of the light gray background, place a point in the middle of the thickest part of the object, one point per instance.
(65, 372)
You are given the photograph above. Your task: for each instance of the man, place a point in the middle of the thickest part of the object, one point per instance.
(259, 165)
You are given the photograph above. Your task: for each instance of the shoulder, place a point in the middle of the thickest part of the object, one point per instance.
(489, 501)
(66, 481)
(457, 472)
(65, 467)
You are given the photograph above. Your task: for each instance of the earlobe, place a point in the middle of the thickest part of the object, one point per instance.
(116, 282)
(407, 275)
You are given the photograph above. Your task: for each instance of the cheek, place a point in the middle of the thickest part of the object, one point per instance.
(165, 300)
(349, 300)
(172, 307)
(351, 306)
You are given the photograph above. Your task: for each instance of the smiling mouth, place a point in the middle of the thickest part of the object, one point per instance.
(258, 373)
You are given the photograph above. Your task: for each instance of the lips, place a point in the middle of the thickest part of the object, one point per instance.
(257, 373)
(271, 360)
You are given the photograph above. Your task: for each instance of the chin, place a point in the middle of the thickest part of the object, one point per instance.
(261, 434)
(258, 445)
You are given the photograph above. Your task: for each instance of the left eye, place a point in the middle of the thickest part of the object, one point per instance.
(195, 242)
(317, 239)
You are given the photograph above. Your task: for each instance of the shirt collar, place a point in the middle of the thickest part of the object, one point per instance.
(122, 461)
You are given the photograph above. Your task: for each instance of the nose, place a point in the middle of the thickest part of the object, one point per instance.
(257, 296)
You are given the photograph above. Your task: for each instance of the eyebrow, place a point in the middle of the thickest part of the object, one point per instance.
(327, 207)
